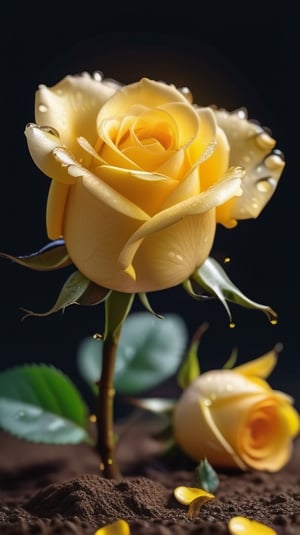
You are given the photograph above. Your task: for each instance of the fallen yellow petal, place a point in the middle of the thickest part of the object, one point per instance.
(193, 497)
(239, 525)
(119, 527)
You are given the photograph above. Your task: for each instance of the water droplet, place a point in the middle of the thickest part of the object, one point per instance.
(264, 185)
(186, 93)
(242, 113)
(232, 325)
(279, 153)
(175, 257)
(97, 336)
(227, 259)
(93, 418)
(31, 125)
(109, 461)
(97, 76)
(101, 466)
(264, 141)
(274, 162)
(274, 321)
(43, 108)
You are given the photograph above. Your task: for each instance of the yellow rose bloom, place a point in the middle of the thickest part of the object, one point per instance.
(233, 418)
(141, 177)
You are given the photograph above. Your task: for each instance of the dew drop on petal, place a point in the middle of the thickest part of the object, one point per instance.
(264, 185)
(43, 108)
(97, 76)
(186, 92)
(231, 325)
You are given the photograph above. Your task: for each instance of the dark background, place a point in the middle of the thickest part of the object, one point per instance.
(237, 64)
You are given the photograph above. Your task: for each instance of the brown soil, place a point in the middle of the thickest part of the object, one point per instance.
(58, 490)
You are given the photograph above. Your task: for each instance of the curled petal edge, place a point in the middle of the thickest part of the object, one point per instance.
(198, 204)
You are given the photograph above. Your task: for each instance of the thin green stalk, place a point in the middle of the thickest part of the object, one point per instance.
(117, 308)
(105, 420)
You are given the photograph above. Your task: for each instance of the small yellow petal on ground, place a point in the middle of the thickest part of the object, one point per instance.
(119, 527)
(193, 497)
(240, 525)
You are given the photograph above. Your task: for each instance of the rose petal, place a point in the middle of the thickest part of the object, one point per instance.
(250, 147)
(102, 191)
(71, 107)
(41, 145)
(260, 367)
(198, 204)
(187, 495)
(57, 197)
(239, 525)
(146, 92)
(119, 527)
(146, 190)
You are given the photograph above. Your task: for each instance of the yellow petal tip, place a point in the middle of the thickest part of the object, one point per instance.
(130, 271)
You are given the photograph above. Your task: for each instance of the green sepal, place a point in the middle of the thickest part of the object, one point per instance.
(205, 476)
(52, 256)
(231, 361)
(145, 301)
(190, 368)
(211, 278)
(117, 308)
(77, 290)
(39, 403)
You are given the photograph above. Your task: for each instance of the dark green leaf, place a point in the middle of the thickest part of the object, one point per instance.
(74, 288)
(53, 256)
(40, 404)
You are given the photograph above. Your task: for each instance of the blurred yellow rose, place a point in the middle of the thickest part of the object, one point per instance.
(233, 418)
(141, 176)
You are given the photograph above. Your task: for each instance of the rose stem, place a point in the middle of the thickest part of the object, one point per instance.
(117, 308)
(105, 419)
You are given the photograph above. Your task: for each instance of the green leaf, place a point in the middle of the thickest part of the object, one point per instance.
(40, 404)
(206, 477)
(72, 291)
(52, 256)
(190, 369)
(212, 278)
(149, 351)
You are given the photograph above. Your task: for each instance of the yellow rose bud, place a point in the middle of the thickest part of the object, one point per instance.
(233, 418)
(140, 178)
